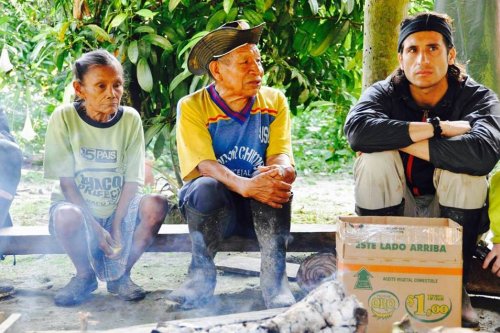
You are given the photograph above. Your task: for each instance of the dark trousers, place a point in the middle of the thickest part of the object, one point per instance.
(206, 195)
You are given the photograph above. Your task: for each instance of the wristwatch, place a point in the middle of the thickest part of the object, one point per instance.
(434, 121)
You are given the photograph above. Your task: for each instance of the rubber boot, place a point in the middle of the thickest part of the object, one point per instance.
(272, 227)
(397, 210)
(206, 231)
(469, 219)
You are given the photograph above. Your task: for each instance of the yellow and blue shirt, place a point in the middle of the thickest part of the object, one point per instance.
(207, 129)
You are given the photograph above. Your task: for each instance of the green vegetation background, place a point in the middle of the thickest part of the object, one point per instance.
(311, 49)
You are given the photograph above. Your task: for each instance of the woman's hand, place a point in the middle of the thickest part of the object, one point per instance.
(104, 240)
(116, 234)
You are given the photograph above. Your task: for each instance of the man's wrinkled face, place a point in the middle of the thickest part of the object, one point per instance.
(241, 71)
(425, 59)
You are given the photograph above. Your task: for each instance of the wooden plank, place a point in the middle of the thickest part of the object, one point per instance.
(202, 322)
(171, 238)
(145, 328)
(250, 266)
(233, 318)
(6, 325)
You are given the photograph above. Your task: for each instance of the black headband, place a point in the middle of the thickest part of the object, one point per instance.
(425, 23)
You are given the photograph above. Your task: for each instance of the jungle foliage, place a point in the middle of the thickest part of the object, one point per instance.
(310, 49)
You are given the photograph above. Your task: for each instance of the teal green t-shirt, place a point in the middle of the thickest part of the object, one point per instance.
(101, 157)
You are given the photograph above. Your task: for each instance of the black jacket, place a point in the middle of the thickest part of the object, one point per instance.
(380, 122)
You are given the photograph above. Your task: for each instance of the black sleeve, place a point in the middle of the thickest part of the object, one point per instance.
(368, 127)
(477, 152)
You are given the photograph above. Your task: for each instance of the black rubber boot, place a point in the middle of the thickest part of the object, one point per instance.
(206, 231)
(272, 227)
(397, 210)
(470, 220)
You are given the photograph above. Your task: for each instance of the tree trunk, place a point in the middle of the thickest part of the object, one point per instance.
(381, 28)
(315, 268)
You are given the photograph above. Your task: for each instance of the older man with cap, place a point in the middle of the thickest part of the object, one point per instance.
(426, 138)
(234, 145)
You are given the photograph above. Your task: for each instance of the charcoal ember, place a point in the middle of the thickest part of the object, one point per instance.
(314, 269)
(326, 309)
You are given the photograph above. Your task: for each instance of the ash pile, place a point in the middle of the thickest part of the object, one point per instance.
(325, 309)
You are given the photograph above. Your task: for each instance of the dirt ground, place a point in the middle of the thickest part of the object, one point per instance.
(317, 199)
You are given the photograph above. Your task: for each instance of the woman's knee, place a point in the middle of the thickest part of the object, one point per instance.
(67, 219)
(153, 209)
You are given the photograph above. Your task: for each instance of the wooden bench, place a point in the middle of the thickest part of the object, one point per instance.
(171, 238)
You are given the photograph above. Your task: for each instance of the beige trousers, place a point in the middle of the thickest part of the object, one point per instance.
(380, 182)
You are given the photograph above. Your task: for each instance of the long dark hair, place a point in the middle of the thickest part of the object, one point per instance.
(455, 72)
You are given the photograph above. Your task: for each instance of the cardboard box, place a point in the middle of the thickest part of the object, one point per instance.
(402, 265)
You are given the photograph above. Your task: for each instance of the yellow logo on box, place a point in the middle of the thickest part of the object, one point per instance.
(383, 303)
(428, 308)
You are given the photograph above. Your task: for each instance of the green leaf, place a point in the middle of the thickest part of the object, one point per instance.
(252, 16)
(154, 129)
(334, 36)
(192, 41)
(350, 6)
(159, 41)
(314, 6)
(159, 145)
(133, 52)
(117, 20)
(145, 29)
(268, 4)
(144, 48)
(146, 13)
(62, 31)
(144, 76)
(60, 59)
(304, 95)
(216, 20)
(227, 5)
(231, 16)
(260, 5)
(172, 4)
(172, 35)
(178, 79)
(99, 33)
(36, 50)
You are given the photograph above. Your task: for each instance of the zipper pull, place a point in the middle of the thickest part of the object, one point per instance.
(426, 115)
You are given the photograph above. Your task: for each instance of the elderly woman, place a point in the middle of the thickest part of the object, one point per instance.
(233, 139)
(95, 148)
